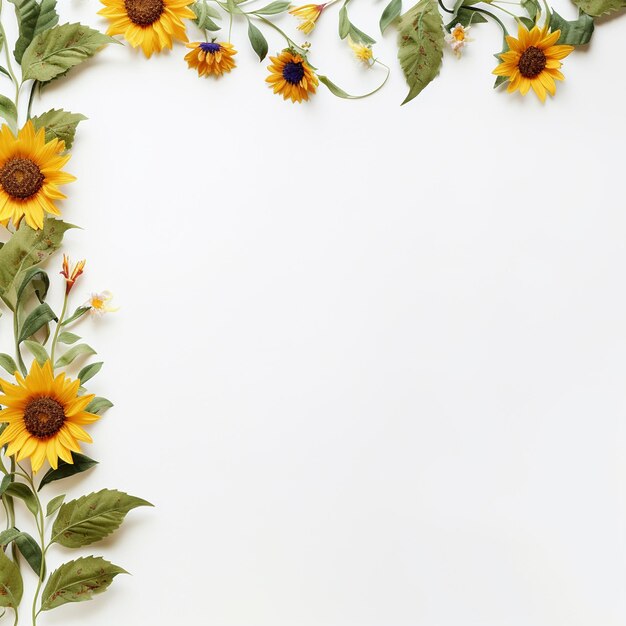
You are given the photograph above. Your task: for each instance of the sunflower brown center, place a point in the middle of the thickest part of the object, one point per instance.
(43, 417)
(144, 12)
(532, 62)
(21, 178)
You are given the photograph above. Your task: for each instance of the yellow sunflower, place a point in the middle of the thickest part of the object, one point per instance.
(291, 76)
(30, 175)
(44, 416)
(151, 24)
(533, 60)
(211, 57)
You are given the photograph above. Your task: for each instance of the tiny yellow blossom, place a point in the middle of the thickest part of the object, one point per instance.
(457, 38)
(362, 52)
(308, 14)
(99, 303)
(71, 276)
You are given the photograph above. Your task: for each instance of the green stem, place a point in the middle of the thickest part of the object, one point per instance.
(16, 336)
(9, 64)
(31, 98)
(289, 41)
(57, 329)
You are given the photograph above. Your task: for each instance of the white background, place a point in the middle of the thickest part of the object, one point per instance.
(369, 362)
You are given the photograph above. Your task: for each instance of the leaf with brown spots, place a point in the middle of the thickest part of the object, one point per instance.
(420, 45)
(92, 518)
(11, 587)
(78, 581)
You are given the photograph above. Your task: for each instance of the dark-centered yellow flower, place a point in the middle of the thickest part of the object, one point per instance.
(30, 175)
(533, 60)
(291, 76)
(149, 24)
(44, 416)
(211, 57)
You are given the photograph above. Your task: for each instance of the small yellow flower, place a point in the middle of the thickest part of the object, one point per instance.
(533, 60)
(71, 276)
(362, 52)
(99, 303)
(291, 76)
(457, 38)
(308, 14)
(211, 57)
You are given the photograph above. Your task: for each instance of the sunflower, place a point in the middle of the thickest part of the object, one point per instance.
(308, 15)
(291, 76)
(151, 24)
(533, 60)
(211, 57)
(30, 175)
(44, 416)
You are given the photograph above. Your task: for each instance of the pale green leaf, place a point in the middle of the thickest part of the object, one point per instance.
(7, 363)
(24, 492)
(99, 405)
(11, 586)
(273, 8)
(37, 350)
(78, 581)
(33, 18)
(8, 112)
(392, 12)
(59, 124)
(81, 349)
(574, 33)
(92, 518)
(68, 337)
(89, 371)
(54, 505)
(600, 7)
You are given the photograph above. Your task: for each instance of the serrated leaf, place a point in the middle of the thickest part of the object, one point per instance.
(54, 505)
(81, 464)
(89, 371)
(599, 7)
(37, 350)
(574, 33)
(73, 353)
(26, 248)
(273, 8)
(59, 124)
(67, 337)
(98, 405)
(420, 45)
(92, 518)
(78, 581)
(33, 18)
(258, 41)
(23, 492)
(7, 363)
(8, 112)
(11, 586)
(55, 51)
(37, 318)
(392, 12)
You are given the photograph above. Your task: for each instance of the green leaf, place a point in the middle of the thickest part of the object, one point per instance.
(204, 13)
(37, 350)
(420, 45)
(23, 492)
(258, 41)
(7, 479)
(26, 248)
(37, 318)
(38, 280)
(78, 313)
(273, 8)
(54, 505)
(533, 8)
(11, 586)
(8, 112)
(358, 36)
(33, 18)
(59, 124)
(391, 13)
(344, 22)
(465, 17)
(73, 353)
(89, 371)
(30, 551)
(92, 518)
(67, 337)
(575, 33)
(599, 7)
(78, 581)
(81, 464)
(98, 405)
(57, 50)
(7, 363)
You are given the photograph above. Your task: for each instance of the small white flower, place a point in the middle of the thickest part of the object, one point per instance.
(99, 303)
(457, 38)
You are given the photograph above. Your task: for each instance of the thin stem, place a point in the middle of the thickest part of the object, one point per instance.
(445, 8)
(491, 15)
(494, 4)
(57, 329)
(289, 41)
(39, 519)
(31, 97)
(9, 64)
(16, 336)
